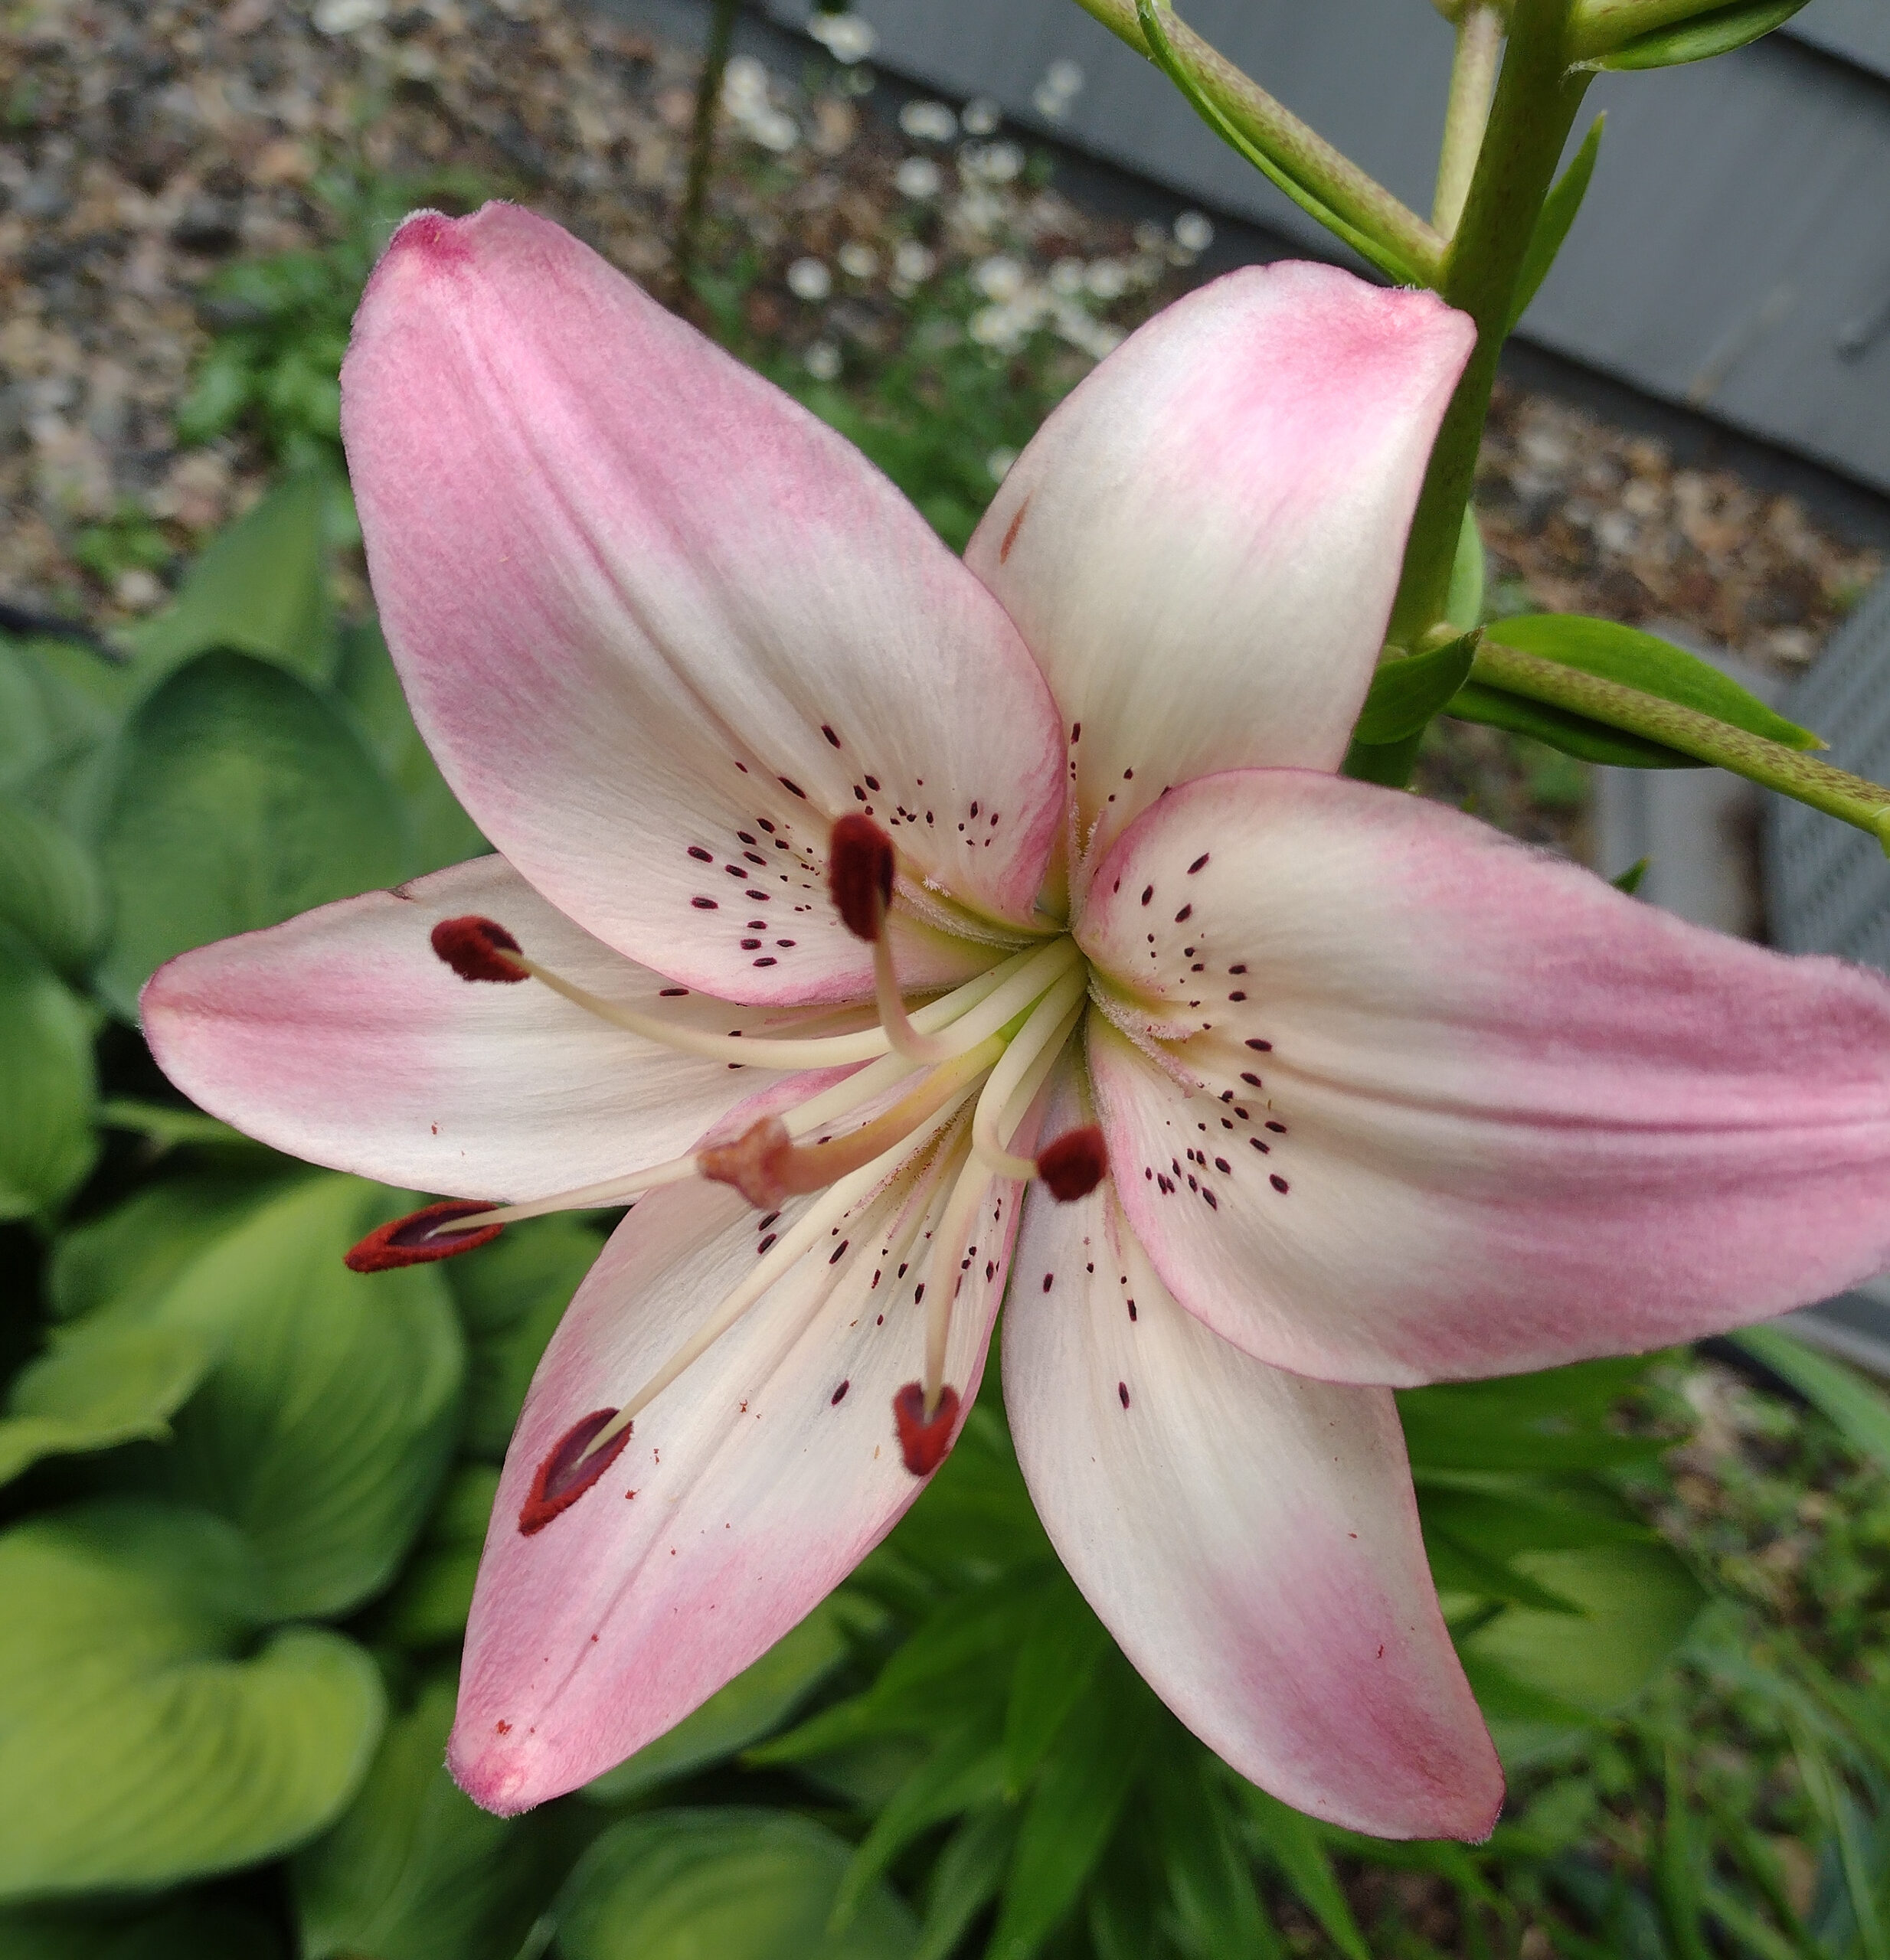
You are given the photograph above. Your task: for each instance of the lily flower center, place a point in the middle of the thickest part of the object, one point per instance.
(898, 1155)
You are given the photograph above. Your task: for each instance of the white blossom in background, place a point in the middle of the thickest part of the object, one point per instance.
(980, 116)
(1066, 277)
(1061, 84)
(1107, 278)
(808, 279)
(339, 17)
(918, 177)
(913, 262)
(998, 462)
(990, 163)
(928, 121)
(822, 360)
(846, 37)
(999, 278)
(856, 260)
(1193, 233)
(748, 103)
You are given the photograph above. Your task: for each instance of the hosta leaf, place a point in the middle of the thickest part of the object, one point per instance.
(735, 1884)
(428, 1607)
(179, 1930)
(52, 892)
(325, 1426)
(99, 1387)
(415, 1870)
(754, 1705)
(48, 1090)
(239, 798)
(136, 1747)
(260, 587)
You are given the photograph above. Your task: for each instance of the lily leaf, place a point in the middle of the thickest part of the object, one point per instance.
(136, 1748)
(1719, 32)
(1857, 1406)
(739, 1884)
(240, 798)
(415, 1870)
(1554, 221)
(1407, 692)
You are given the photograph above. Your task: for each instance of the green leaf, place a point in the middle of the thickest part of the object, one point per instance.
(1295, 1844)
(1574, 734)
(1407, 690)
(224, 383)
(48, 1089)
(966, 1878)
(1198, 1845)
(1858, 1408)
(964, 1772)
(1553, 222)
(325, 1426)
(260, 588)
(428, 1606)
(1559, 1419)
(414, 1869)
(136, 1748)
(241, 798)
(753, 1706)
(179, 1930)
(165, 1127)
(1717, 32)
(1463, 603)
(1065, 1646)
(1081, 1795)
(1638, 1603)
(1629, 881)
(732, 1884)
(443, 832)
(52, 892)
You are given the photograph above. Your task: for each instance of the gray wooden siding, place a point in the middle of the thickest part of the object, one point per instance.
(1734, 252)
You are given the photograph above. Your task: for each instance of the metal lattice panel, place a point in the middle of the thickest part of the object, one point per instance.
(1828, 885)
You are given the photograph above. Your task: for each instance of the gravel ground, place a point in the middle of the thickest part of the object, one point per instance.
(143, 148)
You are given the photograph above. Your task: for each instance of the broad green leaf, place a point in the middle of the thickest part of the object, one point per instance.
(1297, 1846)
(239, 799)
(1064, 1646)
(325, 1426)
(428, 1605)
(753, 1706)
(1858, 1408)
(1406, 692)
(1080, 1796)
(136, 1748)
(1558, 1420)
(1460, 1566)
(48, 1089)
(52, 892)
(165, 1127)
(415, 1870)
(1637, 1603)
(57, 701)
(260, 588)
(100, 1386)
(179, 1929)
(1615, 653)
(443, 833)
(722, 1885)
(1719, 32)
(1553, 222)
(512, 1295)
(1463, 604)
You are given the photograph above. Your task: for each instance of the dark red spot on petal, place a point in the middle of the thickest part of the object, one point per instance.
(1122, 1388)
(409, 1241)
(830, 735)
(1197, 864)
(1260, 1047)
(567, 1472)
(701, 856)
(1074, 1164)
(859, 874)
(475, 949)
(1279, 1182)
(838, 1394)
(922, 1440)
(704, 905)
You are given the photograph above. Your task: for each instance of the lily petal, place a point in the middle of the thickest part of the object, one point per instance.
(748, 1489)
(1202, 544)
(1464, 1109)
(1250, 1538)
(341, 1037)
(660, 627)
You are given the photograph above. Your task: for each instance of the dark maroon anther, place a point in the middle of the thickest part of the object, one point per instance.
(1074, 1164)
(411, 1240)
(566, 1473)
(859, 873)
(924, 1442)
(475, 949)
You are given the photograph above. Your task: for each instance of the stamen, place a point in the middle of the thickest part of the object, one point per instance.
(946, 1271)
(425, 1235)
(859, 874)
(924, 1439)
(1074, 1164)
(1051, 1023)
(569, 1469)
(476, 948)
(766, 1167)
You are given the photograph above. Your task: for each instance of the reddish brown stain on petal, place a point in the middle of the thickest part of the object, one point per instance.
(1010, 533)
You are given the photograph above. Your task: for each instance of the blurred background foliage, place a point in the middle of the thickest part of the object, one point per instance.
(245, 1491)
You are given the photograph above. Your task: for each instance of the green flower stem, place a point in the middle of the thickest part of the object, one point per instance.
(1537, 97)
(1789, 771)
(1596, 28)
(708, 98)
(1467, 114)
(1299, 150)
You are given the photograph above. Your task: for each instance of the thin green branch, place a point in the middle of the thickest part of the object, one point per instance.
(1789, 771)
(1467, 113)
(708, 97)
(1294, 149)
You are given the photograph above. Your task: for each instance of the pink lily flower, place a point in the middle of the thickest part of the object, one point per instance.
(1384, 1097)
